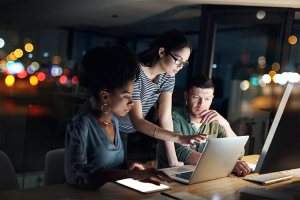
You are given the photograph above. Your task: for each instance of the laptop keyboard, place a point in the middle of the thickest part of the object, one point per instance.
(185, 175)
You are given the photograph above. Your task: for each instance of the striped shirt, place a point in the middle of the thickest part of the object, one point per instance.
(147, 92)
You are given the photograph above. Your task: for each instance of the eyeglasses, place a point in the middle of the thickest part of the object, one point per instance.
(178, 61)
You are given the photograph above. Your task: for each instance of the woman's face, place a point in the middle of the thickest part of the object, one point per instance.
(173, 61)
(121, 100)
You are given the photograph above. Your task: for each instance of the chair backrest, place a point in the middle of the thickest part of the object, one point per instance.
(54, 167)
(8, 177)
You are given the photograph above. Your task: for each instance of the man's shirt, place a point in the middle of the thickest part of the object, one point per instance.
(183, 125)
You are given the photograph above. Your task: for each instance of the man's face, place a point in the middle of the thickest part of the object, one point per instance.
(198, 100)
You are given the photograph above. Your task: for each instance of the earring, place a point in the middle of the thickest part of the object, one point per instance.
(105, 108)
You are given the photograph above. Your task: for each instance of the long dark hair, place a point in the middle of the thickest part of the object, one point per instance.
(108, 68)
(171, 40)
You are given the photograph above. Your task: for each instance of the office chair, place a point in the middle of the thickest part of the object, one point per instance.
(54, 167)
(8, 177)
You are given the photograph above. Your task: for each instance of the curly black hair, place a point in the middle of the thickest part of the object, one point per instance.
(172, 40)
(108, 68)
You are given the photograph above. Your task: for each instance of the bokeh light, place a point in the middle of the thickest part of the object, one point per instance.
(244, 85)
(56, 60)
(36, 65)
(30, 69)
(56, 70)
(22, 74)
(41, 76)
(74, 80)
(14, 67)
(266, 78)
(254, 80)
(33, 80)
(276, 66)
(28, 47)
(18, 53)
(9, 80)
(2, 43)
(292, 39)
(261, 60)
(260, 14)
(63, 79)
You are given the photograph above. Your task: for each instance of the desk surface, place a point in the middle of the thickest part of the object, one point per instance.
(224, 188)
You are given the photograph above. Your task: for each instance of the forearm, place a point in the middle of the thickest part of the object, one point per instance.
(193, 158)
(155, 131)
(167, 124)
(228, 131)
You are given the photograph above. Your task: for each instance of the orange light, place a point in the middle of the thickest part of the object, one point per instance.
(272, 73)
(292, 39)
(18, 53)
(74, 80)
(63, 79)
(33, 80)
(9, 80)
(28, 47)
(41, 76)
(56, 60)
(22, 74)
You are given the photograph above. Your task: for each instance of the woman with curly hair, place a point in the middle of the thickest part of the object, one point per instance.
(94, 149)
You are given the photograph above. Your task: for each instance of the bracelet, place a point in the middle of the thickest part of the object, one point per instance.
(155, 131)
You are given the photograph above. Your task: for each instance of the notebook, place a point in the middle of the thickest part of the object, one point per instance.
(218, 159)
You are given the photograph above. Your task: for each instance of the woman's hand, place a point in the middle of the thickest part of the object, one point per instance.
(192, 139)
(151, 175)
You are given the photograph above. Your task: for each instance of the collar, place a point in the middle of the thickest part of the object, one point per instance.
(185, 114)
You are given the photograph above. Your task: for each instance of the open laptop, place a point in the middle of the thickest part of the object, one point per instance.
(217, 161)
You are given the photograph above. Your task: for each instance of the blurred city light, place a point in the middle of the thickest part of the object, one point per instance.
(292, 39)
(41, 76)
(33, 80)
(28, 47)
(36, 65)
(266, 78)
(63, 79)
(56, 70)
(22, 74)
(14, 67)
(254, 81)
(2, 43)
(9, 80)
(74, 80)
(279, 78)
(46, 54)
(275, 66)
(30, 69)
(260, 14)
(244, 85)
(56, 60)
(18, 53)
(293, 77)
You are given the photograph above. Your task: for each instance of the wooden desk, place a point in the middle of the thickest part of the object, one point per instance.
(225, 188)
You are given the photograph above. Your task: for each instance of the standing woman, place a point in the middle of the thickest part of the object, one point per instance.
(158, 65)
(94, 150)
